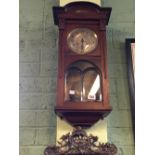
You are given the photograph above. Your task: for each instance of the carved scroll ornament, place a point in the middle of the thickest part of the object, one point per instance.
(78, 142)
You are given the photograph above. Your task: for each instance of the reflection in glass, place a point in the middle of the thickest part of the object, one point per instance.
(73, 85)
(82, 82)
(91, 86)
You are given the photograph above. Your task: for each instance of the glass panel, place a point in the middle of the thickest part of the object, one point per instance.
(73, 88)
(91, 86)
(82, 82)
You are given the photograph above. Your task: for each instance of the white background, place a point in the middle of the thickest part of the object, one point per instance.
(144, 77)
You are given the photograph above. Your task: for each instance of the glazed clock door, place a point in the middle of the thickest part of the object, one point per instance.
(83, 82)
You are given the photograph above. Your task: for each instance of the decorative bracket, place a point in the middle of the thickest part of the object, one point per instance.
(79, 143)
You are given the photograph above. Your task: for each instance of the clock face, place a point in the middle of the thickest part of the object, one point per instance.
(82, 40)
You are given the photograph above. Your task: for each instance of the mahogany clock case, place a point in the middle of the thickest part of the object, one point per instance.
(85, 16)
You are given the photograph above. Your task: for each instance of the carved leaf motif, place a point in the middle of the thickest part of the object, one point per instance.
(80, 143)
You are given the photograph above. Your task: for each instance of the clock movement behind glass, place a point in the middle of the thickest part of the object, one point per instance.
(82, 80)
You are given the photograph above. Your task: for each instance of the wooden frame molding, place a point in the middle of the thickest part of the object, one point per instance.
(130, 43)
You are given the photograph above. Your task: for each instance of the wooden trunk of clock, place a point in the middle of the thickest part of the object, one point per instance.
(82, 80)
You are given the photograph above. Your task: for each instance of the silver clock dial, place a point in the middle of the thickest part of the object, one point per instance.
(82, 40)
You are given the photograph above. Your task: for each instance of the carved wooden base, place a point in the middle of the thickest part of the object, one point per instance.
(78, 143)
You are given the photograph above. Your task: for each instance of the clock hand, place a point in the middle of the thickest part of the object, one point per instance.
(82, 45)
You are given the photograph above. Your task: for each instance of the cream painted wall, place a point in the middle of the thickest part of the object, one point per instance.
(64, 2)
(99, 129)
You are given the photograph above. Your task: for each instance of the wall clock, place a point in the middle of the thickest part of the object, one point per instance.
(82, 80)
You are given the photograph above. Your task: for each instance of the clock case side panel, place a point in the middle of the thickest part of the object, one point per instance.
(105, 69)
(60, 77)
